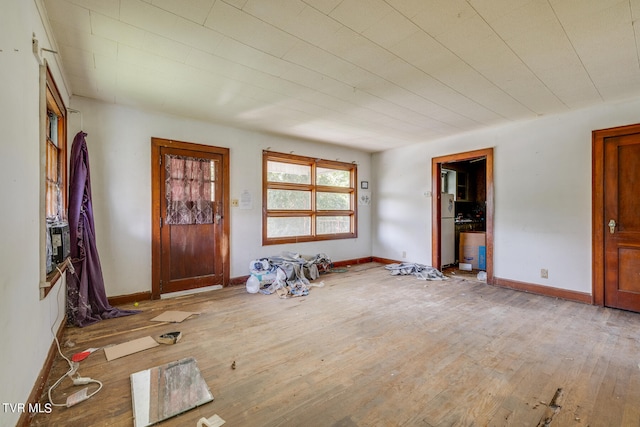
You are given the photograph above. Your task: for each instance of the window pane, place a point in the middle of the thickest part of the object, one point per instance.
(288, 172)
(333, 224)
(52, 162)
(52, 130)
(333, 177)
(333, 201)
(288, 226)
(52, 196)
(288, 199)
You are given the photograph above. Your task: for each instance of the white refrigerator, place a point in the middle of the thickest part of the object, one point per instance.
(447, 230)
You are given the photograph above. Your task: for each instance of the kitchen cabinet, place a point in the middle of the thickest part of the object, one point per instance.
(465, 180)
(462, 187)
(480, 181)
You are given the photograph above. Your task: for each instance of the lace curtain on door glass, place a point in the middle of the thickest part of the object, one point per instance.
(189, 190)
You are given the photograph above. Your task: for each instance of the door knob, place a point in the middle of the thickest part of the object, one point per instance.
(612, 226)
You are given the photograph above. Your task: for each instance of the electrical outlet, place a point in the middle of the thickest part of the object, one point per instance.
(404, 254)
(544, 273)
(234, 203)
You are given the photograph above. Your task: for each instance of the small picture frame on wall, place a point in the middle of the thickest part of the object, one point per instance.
(364, 185)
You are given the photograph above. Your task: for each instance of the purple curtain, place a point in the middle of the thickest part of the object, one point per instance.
(86, 297)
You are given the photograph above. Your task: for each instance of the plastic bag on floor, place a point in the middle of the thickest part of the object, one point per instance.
(253, 284)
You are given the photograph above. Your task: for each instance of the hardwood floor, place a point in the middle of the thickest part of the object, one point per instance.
(371, 349)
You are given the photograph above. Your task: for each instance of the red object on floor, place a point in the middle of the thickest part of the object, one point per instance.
(80, 356)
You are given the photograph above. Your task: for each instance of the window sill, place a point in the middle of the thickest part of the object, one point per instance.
(53, 278)
(303, 239)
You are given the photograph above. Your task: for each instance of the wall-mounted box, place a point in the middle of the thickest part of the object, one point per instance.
(60, 244)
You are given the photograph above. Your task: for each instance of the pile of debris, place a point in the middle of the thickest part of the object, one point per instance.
(288, 274)
(423, 272)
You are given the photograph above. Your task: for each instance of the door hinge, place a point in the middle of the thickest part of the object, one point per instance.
(160, 160)
(160, 286)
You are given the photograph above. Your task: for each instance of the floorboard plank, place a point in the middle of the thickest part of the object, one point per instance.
(371, 349)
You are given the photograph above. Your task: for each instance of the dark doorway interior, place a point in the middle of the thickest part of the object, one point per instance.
(465, 182)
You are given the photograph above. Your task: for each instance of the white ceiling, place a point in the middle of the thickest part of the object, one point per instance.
(371, 74)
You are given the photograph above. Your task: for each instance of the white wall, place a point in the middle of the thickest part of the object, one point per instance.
(119, 143)
(542, 191)
(25, 320)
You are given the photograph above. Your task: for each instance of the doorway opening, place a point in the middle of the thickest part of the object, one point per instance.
(465, 180)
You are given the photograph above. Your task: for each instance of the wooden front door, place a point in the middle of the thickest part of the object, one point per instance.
(190, 211)
(620, 219)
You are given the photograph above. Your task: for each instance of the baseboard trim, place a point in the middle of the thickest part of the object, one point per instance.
(128, 299)
(503, 283)
(240, 280)
(548, 291)
(41, 381)
(354, 261)
(385, 260)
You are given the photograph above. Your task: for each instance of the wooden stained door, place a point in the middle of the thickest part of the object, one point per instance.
(618, 224)
(190, 211)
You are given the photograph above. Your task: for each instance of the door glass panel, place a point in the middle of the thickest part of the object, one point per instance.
(213, 180)
(189, 190)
